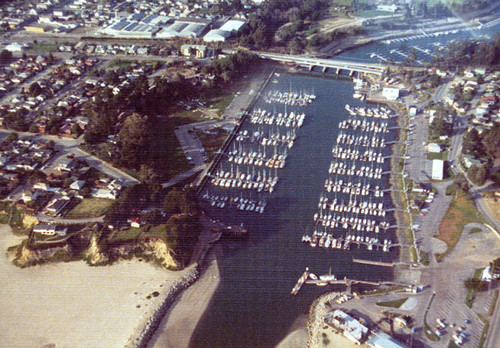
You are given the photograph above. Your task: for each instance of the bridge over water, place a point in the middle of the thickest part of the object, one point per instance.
(337, 64)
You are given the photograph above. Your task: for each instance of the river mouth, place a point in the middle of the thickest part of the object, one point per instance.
(253, 306)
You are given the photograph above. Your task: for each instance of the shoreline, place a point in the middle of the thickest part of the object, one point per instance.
(178, 325)
(61, 303)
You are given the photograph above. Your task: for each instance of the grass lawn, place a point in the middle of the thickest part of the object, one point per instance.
(156, 231)
(128, 235)
(443, 155)
(424, 258)
(42, 47)
(89, 207)
(394, 303)
(212, 143)
(221, 103)
(461, 212)
(188, 116)
(121, 63)
(470, 297)
(471, 293)
(372, 13)
(474, 230)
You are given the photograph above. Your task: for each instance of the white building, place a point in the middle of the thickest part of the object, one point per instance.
(185, 27)
(216, 35)
(383, 340)
(352, 328)
(437, 169)
(50, 230)
(434, 148)
(229, 28)
(387, 8)
(233, 26)
(390, 93)
(104, 193)
(15, 47)
(77, 185)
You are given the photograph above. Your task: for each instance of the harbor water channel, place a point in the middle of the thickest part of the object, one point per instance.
(253, 306)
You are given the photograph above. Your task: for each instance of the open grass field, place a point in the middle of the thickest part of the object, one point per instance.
(89, 207)
(42, 47)
(372, 13)
(443, 155)
(394, 303)
(128, 235)
(221, 103)
(462, 211)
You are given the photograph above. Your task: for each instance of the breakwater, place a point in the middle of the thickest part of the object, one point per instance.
(143, 334)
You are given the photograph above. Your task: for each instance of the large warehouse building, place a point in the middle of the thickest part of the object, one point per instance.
(229, 28)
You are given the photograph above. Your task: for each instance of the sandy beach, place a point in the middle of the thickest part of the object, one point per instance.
(73, 304)
(178, 326)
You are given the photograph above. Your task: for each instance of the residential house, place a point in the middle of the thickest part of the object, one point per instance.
(50, 230)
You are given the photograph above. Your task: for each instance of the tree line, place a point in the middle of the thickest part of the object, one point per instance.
(486, 148)
(468, 53)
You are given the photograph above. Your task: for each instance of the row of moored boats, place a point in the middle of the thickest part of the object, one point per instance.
(353, 211)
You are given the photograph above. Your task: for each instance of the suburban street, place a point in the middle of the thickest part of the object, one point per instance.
(70, 146)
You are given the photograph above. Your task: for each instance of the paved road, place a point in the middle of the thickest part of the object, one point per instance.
(44, 218)
(71, 146)
(6, 98)
(493, 338)
(184, 176)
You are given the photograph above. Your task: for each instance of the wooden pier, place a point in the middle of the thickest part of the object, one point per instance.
(374, 263)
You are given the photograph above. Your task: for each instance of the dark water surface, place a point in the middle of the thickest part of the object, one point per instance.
(253, 306)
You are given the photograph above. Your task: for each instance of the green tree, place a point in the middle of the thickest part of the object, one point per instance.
(461, 183)
(491, 142)
(472, 144)
(475, 284)
(33, 129)
(13, 136)
(173, 200)
(5, 57)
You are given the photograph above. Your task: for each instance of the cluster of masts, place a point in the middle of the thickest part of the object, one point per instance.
(289, 120)
(237, 202)
(364, 126)
(256, 155)
(326, 240)
(340, 168)
(361, 207)
(357, 207)
(289, 98)
(350, 188)
(260, 181)
(377, 112)
(360, 140)
(350, 223)
(269, 139)
(355, 155)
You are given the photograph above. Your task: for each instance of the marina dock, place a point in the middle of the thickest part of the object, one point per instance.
(300, 282)
(329, 279)
(374, 263)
